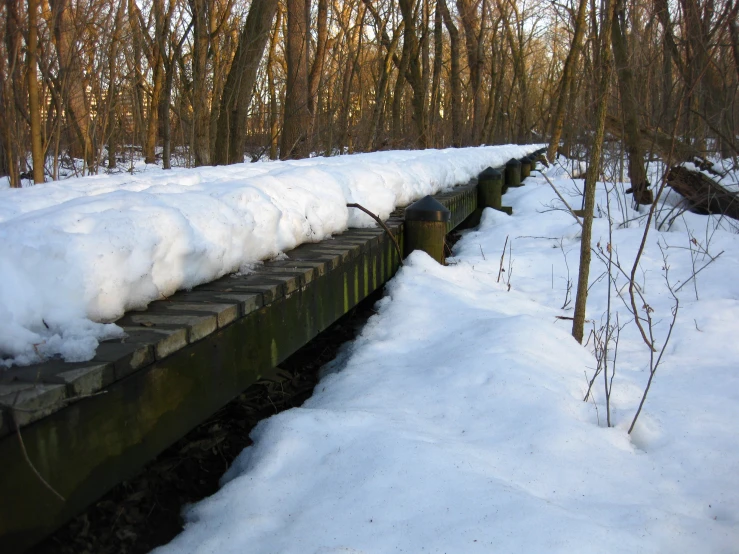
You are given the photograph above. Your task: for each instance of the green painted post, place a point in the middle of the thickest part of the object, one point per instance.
(490, 189)
(533, 157)
(513, 173)
(525, 167)
(425, 227)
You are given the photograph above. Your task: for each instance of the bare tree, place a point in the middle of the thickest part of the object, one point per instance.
(237, 92)
(594, 164)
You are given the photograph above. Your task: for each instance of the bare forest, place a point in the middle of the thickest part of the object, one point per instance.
(89, 85)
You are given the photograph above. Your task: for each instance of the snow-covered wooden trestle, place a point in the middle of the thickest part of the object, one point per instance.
(88, 426)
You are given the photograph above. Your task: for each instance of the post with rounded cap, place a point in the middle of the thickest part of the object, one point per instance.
(425, 227)
(513, 173)
(525, 167)
(490, 189)
(533, 157)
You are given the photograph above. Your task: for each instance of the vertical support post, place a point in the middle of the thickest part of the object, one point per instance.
(525, 167)
(513, 173)
(533, 157)
(490, 189)
(425, 228)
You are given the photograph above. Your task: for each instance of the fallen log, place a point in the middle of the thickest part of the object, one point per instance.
(702, 194)
(654, 140)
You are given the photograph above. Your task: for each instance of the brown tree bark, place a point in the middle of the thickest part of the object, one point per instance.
(379, 106)
(237, 91)
(734, 35)
(414, 75)
(455, 75)
(434, 115)
(112, 100)
(703, 195)
(567, 75)
(200, 94)
(629, 108)
(34, 108)
(72, 80)
(274, 114)
(473, 40)
(8, 75)
(593, 172)
(296, 115)
(316, 71)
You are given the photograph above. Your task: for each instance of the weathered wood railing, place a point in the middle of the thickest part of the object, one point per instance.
(88, 426)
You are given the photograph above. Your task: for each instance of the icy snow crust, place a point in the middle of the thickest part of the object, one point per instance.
(468, 432)
(77, 253)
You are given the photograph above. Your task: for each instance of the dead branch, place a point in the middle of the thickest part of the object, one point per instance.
(702, 194)
(381, 224)
(28, 460)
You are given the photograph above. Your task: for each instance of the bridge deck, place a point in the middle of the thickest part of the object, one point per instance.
(88, 426)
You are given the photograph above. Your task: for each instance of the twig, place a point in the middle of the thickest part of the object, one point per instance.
(654, 365)
(500, 270)
(697, 272)
(28, 460)
(381, 224)
(572, 212)
(510, 265)
(64, 402)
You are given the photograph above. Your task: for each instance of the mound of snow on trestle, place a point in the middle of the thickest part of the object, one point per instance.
(82, 251)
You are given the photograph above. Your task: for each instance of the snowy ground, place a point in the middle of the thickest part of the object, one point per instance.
(77, 253)
(456, 422)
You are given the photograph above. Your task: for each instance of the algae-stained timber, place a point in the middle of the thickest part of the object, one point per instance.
(89, 446)
(88, 426)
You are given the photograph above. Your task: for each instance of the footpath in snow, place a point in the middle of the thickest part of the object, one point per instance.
(456, 421)
(79, 253)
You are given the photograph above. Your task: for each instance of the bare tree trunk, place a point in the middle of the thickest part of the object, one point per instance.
(455, 74)
(436, 75)
(353, 52)
(34, 109)
(274, 114)
(567, 75)
(314, 79)
(425, 59)
(237, 91)
(414, 70)
(379, 106)
(398, 90)
(581, 298)
(472, 36)
(72, 80)
(734, 34)
(296, 116)
(8, 75)
(112, 103)
(200, 95)
(629, 109)
(165, 111)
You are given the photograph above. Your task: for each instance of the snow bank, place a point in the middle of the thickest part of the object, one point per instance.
(83, 251)
(456, 422)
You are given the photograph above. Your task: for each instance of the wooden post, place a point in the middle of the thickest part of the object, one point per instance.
(525, 167)
(513, 173)
(490, 189)
(425, 228)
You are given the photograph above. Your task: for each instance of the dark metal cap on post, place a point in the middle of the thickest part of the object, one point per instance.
(427, 209)
(425, 227)
(513, 173)
(490, 174)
